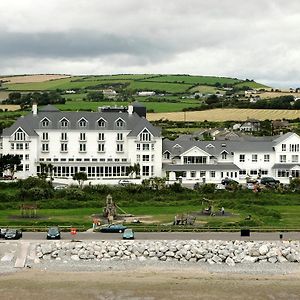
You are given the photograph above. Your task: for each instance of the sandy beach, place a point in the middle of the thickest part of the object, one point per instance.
(147, 282)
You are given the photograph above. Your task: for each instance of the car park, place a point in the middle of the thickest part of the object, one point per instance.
(53, 233)
(13, 234)
(128, 234)
(113, 228)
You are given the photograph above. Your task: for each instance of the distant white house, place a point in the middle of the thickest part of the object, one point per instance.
(250, 125)
(109, 93)
(70, 92)
(146, 93)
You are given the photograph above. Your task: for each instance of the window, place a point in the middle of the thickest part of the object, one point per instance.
(145, 170)
(82, 136)
(242, 172)
(138, 146)
(224, 155)
(152, 171)
(194, 159)
(146, 147)
(101, 147)
(264, 172)
(45, 123)
(120, 123)
(119, 147)
(19, 146)
(26, 156)
(1, 145)
(242, 157)
(82, 123)
(152, 146)
(282, 173)
(45, 136)
(193, 174)
(101, 123)
(45, 147)
(295, 158)
(78, 159)
(12, 146)
(26, 146)
(294, 147)
(119, 136)
(145, 136)
(202, 173)
(212, 174)
(167, 155)
(19, 135)
(145, 157)
(283, 147)
(254, 157)
(64, 136)
(63, 159)
(138, 157)
(26, 167)
(63, 147)
(101, 136)
(282, 158)
(266, 157)
(82, 147)
(64, 123)
(152, 157)
(253, 172)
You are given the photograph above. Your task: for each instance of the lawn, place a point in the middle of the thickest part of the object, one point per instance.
(290, 215)
(159, 86)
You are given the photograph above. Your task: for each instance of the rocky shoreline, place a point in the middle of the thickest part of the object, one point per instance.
(210, 252)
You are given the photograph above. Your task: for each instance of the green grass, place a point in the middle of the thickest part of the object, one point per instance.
(252, 84)
(159, 86)
(290, 215)
(201, 80)
(157, 107)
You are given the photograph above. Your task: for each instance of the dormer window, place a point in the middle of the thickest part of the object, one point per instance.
(167, 155)
(177, 146)
(64, 123)
(120, 123)
(210, 146)
(19, 135)
(224, 155)
(82, 123)
(101, 123)
(45, 122)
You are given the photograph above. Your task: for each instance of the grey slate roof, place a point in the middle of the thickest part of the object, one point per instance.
(285, 166)
(200, 167)
(283, 137)
(30, 122)
(219, 146)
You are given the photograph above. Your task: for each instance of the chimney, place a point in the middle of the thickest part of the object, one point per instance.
(34, 108)
(130, 109)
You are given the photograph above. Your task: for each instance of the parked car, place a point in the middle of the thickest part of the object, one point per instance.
(128, 234)
(53, 233)
(60, 187)
(113, 228)
(2, 232)
(227, 181)
(13, 234)
(269, 181)
(124, 182)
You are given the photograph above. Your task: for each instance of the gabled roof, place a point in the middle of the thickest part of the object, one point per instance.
(283, 137)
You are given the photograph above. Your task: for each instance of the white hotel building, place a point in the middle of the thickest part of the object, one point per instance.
(104, 144)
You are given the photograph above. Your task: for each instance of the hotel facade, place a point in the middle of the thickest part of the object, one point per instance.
(105, 144)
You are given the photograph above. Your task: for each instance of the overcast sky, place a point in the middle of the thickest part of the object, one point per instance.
(257, 39)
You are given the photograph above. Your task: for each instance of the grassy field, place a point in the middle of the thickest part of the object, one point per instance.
(252, 84)
(204, 80)
(159, 86)
(227, 114)
(32, 78)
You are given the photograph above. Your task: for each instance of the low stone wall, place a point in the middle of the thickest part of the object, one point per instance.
(212, 251)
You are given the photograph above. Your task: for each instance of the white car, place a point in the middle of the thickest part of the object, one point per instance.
(124, 182)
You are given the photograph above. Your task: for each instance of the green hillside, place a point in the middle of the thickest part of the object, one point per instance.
(133, 83)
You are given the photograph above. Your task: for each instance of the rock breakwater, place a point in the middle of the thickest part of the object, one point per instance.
(211, 251)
